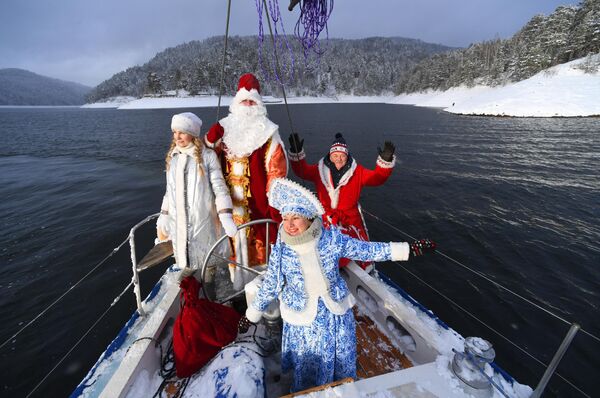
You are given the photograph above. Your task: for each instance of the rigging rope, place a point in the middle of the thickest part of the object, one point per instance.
(116, 249)
(488, 326)
(486, 278)
(313, 18)
(276, 16)
(81, 338)
(277, 65)
(224, 58)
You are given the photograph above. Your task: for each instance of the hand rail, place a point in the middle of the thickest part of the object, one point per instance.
(555, 360)
(551, 368)
(135, 279)
(221, 239)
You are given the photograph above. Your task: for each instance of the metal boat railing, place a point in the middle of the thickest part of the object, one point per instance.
(245, 267)
(549, 371)
(136, 278)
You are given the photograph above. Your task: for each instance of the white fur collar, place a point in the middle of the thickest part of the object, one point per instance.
(325, 174)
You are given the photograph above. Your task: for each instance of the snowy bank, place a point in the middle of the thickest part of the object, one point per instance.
(563, 90)
(212, 101)
(113, 102)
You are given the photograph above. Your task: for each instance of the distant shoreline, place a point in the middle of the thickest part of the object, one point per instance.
(563, 91)
(41, 106)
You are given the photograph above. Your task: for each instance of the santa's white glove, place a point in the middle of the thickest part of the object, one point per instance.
(228, 224)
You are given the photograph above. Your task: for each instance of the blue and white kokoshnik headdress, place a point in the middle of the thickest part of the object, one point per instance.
(291, 198)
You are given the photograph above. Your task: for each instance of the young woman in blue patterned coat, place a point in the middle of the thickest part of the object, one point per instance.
(319, 333)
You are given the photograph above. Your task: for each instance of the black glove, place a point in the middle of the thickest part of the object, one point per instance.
(387, 153)
(422, 246)
(295, 143)
(244, 324)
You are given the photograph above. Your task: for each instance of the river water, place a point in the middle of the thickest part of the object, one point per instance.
(517, 200)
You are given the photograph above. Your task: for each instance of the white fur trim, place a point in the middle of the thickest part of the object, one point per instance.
(400, 251)
(211, 145)
(181, 219)
(385, 164)
(325, 174)
(315, 285)
(243, 94)
(296, 157)
(309, 313)
(223, 202)
(253, 314)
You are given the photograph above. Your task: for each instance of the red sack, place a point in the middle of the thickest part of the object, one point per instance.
(201, 329)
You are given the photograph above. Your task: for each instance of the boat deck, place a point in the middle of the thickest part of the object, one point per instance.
(376, 355)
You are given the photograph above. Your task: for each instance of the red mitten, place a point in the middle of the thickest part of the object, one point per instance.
(215, 133)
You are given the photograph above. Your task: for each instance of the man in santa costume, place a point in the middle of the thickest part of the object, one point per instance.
(252, 155)
(339, 180)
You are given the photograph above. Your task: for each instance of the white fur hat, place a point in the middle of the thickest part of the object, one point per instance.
(187, 122)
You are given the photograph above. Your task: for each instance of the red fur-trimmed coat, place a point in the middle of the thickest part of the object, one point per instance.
(341, 203)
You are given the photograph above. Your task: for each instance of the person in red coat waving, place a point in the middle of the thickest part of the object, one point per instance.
(339, 179)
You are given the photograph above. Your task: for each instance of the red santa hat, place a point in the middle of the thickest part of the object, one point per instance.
(339, 145)
(249, 82)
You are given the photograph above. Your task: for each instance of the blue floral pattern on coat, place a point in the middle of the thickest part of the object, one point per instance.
(322, 352)
(325, 350)
(284, 273)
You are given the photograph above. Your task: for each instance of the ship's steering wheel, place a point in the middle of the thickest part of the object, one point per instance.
(211, 253)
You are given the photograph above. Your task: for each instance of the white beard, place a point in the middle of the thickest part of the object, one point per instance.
(247, 128)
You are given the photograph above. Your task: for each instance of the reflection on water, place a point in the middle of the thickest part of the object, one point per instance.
(515, 199)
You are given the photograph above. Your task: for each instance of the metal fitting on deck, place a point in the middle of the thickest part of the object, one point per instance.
(470, 365)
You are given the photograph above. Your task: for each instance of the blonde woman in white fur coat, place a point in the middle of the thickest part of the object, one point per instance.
(197, 202)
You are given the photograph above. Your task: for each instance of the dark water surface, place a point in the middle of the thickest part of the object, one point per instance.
(515, 199)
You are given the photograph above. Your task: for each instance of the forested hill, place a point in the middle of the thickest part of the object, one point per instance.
(566, 34)
(362, 67)
(21, 87)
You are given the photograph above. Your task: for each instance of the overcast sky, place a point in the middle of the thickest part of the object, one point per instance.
(87, 41)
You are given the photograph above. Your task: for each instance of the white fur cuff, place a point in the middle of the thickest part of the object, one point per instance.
(223, 202)
(400, 251)
(295, 157)
(384, 164)
(253, 314)
(211, 145)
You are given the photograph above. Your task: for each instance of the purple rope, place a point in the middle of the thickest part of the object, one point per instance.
(282, 46)
(313, 19)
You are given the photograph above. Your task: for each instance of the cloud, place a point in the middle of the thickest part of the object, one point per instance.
(89, 41)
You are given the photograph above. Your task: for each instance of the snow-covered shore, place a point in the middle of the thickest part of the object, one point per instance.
(561, 91)
(212, 101)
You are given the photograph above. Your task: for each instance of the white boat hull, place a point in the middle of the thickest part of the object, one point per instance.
(132, 369)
